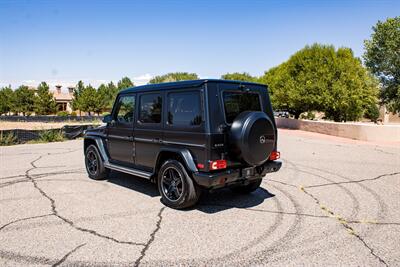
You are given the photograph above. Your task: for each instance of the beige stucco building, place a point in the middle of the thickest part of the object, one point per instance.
(63, 99)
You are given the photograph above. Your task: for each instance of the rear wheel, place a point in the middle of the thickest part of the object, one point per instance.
(94, 164)
(246, 189)
(176, 187)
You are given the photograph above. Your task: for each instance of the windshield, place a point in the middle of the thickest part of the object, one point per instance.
(237, 102)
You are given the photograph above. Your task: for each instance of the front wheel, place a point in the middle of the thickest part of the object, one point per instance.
(94, 164)
(246, 189)
(176, 187)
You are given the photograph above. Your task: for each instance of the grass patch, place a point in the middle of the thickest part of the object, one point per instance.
(47, 136)
(51, 136)
(8, 139)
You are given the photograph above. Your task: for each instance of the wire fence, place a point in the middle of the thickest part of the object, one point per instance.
(22, 136)
(50, 118)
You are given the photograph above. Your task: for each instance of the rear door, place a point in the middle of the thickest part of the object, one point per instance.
(185, 125)
(148, 129)
(120, 131)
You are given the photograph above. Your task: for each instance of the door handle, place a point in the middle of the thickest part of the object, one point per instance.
(157, 140)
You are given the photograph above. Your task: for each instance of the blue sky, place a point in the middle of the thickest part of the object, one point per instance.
(96, 41)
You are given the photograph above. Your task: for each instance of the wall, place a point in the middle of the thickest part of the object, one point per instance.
(366, 132)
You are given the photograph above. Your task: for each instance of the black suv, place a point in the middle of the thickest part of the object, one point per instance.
(188, 136)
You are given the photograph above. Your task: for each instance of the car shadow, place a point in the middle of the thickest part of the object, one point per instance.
(210, 202)
(138, 184)
(225, 199)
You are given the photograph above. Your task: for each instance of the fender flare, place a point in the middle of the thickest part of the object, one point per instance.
(183, 153)
(100, 146)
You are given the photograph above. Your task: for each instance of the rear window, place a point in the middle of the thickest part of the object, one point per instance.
(237, 102)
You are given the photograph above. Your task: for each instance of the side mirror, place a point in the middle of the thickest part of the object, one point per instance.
(107, 118)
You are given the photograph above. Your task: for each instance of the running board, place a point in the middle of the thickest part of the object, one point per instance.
(107, 164)
(142, 174)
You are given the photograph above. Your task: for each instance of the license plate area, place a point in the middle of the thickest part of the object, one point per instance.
(248, 172)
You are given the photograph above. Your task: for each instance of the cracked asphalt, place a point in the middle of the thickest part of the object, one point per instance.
(334, 202)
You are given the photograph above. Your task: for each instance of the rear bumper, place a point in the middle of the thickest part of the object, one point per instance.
(229, 177)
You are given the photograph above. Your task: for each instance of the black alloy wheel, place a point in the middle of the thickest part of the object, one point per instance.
(172, 184)
(94, 164)
(176, 187)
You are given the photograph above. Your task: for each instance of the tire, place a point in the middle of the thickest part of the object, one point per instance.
(94, 164)
(176, 187)
(247, 189)
(252, 137)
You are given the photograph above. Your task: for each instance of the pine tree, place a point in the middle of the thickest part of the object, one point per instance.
(6, 95)
(76, 101)
(23, 100)
(44, 102)
(124, 83)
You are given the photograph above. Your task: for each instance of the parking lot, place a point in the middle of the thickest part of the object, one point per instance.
(334, 202)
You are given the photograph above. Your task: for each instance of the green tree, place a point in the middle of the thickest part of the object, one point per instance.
(382, 57)
(372, 112)
(105, 97)
(89, 100)
(44, 102)
(124, 83)
(173, 77)
(113, 92)
(76, 103)
(353, 91)
(275, 79)
(236, 76)
(23, 100)
(6, 95)
(320, 78)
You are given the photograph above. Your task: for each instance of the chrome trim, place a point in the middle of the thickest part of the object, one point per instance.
(183, 144)
(156, 141)
(125, 138)
(145, 140)
(143, 174)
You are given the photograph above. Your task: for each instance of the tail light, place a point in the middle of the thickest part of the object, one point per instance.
(275, 155)
(218, 164)
(200, 165)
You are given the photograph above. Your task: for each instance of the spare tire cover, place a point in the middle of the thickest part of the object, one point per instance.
(252, 137)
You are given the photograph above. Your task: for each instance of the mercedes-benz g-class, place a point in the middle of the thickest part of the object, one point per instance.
(188, 136)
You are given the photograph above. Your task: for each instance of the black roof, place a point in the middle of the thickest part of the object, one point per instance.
(181, 84)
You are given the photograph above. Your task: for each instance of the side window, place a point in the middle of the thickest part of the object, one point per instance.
(184, 109)
(125, 109)
(150, 108)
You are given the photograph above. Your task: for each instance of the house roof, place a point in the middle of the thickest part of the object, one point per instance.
(62, 96)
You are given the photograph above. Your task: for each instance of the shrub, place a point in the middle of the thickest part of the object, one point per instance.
(62, 113)
(8, 139)
(73, 114)
(308, 116)
(105, 114)
(51, 136)
(372, 112)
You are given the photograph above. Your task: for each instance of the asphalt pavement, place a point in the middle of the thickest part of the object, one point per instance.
(334, 202)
